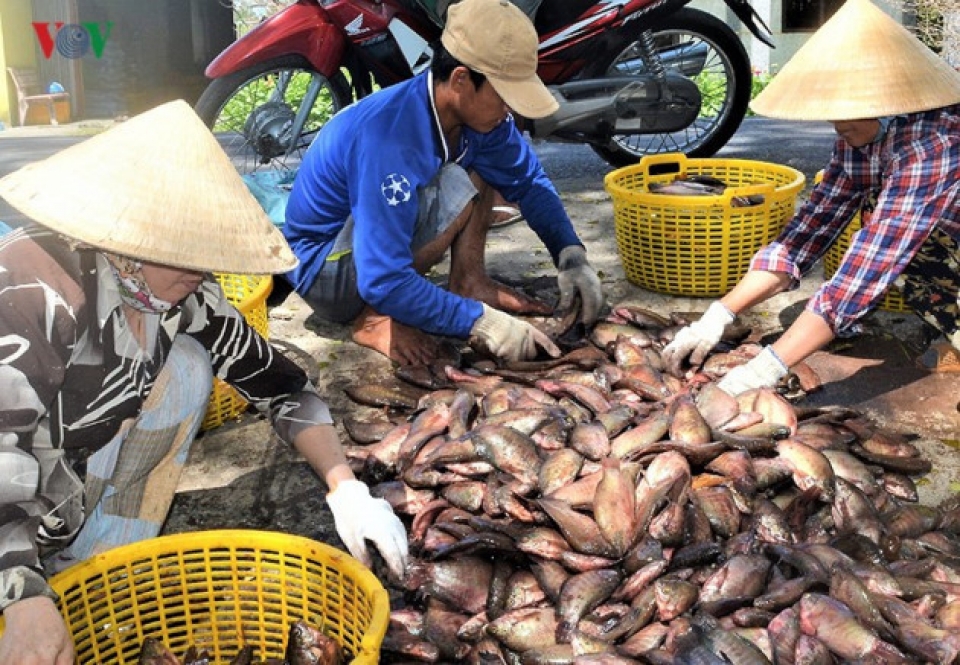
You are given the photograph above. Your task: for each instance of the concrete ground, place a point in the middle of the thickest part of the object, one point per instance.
(239, 476)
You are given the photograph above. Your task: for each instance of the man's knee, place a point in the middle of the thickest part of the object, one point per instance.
(333, 307)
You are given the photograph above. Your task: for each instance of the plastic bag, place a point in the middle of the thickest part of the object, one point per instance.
(272, 191)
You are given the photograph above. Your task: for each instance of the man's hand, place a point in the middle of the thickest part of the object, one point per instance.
(359, 518)
(508, 337)
(697, 339)
(575, 276)
(761, 372)
(35, 634)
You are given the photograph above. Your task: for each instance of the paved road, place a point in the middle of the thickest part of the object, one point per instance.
(803, 145)
(573, 167)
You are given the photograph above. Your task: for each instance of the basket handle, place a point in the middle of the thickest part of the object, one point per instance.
(676, 161)
(764, 188)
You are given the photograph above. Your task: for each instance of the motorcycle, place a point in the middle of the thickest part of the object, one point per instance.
(632, 77)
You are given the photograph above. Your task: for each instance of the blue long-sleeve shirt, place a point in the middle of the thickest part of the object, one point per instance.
(370, 160)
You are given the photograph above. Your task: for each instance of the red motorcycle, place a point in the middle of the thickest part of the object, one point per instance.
(633, 77)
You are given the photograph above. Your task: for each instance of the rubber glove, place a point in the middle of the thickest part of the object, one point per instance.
(508, 337)
(578, 276)
(761, 372)
(697, 339)
(360, 517)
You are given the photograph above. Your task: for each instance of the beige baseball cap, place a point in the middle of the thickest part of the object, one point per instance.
(158, 188)
(859, 64)
(496, 39)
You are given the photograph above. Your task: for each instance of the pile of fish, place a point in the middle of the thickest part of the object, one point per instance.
(306, 645)
(605, 508)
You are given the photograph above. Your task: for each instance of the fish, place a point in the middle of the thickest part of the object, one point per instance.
(396, 394)
(154, 652)
(811, 651)
(403, 644)
(834, 624)
(429, 423)
(463, 582)
(810, 468)
(527, 628)
(581, 531)
(441, 627)
(674, 597)
(614, 507)
(195, 656)
(591, 440)
(580, 594)
(728, 644)
(686, 422)
(849, 590)
(716, 406)
(307, 645)
(367, 431)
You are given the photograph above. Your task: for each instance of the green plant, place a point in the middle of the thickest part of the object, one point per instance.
(248, 13)
(713, 91)
(760, 81)
(255, 93)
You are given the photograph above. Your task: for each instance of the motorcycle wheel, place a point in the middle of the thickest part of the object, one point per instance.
(254, 112)
(724, 81)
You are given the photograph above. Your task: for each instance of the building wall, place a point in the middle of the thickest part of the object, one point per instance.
(763, 58)
(155, 51)
(16, 50)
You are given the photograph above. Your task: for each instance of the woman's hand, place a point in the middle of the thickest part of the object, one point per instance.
(35, 634)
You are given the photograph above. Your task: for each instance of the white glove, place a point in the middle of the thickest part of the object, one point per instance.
(578, 276)
(359, 517)
(508, 337)
(697, 339)
(761, 372)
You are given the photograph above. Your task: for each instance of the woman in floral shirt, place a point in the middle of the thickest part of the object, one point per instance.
(111, 331)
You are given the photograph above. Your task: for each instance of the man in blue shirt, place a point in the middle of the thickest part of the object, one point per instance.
(400, 177)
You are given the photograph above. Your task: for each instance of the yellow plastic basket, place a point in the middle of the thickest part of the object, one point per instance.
(249, 294)
(892, 299)
(697, 245)
(220, 591)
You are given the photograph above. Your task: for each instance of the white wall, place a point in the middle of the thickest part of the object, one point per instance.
(763, 58)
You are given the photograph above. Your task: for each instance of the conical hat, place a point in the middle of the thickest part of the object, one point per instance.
(860, 64)
(158, 188)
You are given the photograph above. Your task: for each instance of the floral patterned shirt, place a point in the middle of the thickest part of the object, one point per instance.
(71, 373)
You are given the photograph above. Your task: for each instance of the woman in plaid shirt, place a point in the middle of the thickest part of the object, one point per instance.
(894, 106)
(111, 330)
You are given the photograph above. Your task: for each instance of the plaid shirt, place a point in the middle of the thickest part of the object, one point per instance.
(912, 173)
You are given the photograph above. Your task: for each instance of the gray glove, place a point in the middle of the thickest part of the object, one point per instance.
(359, 517)
(508, 337)
(761, 372)
(697, 339)
(578, 276)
